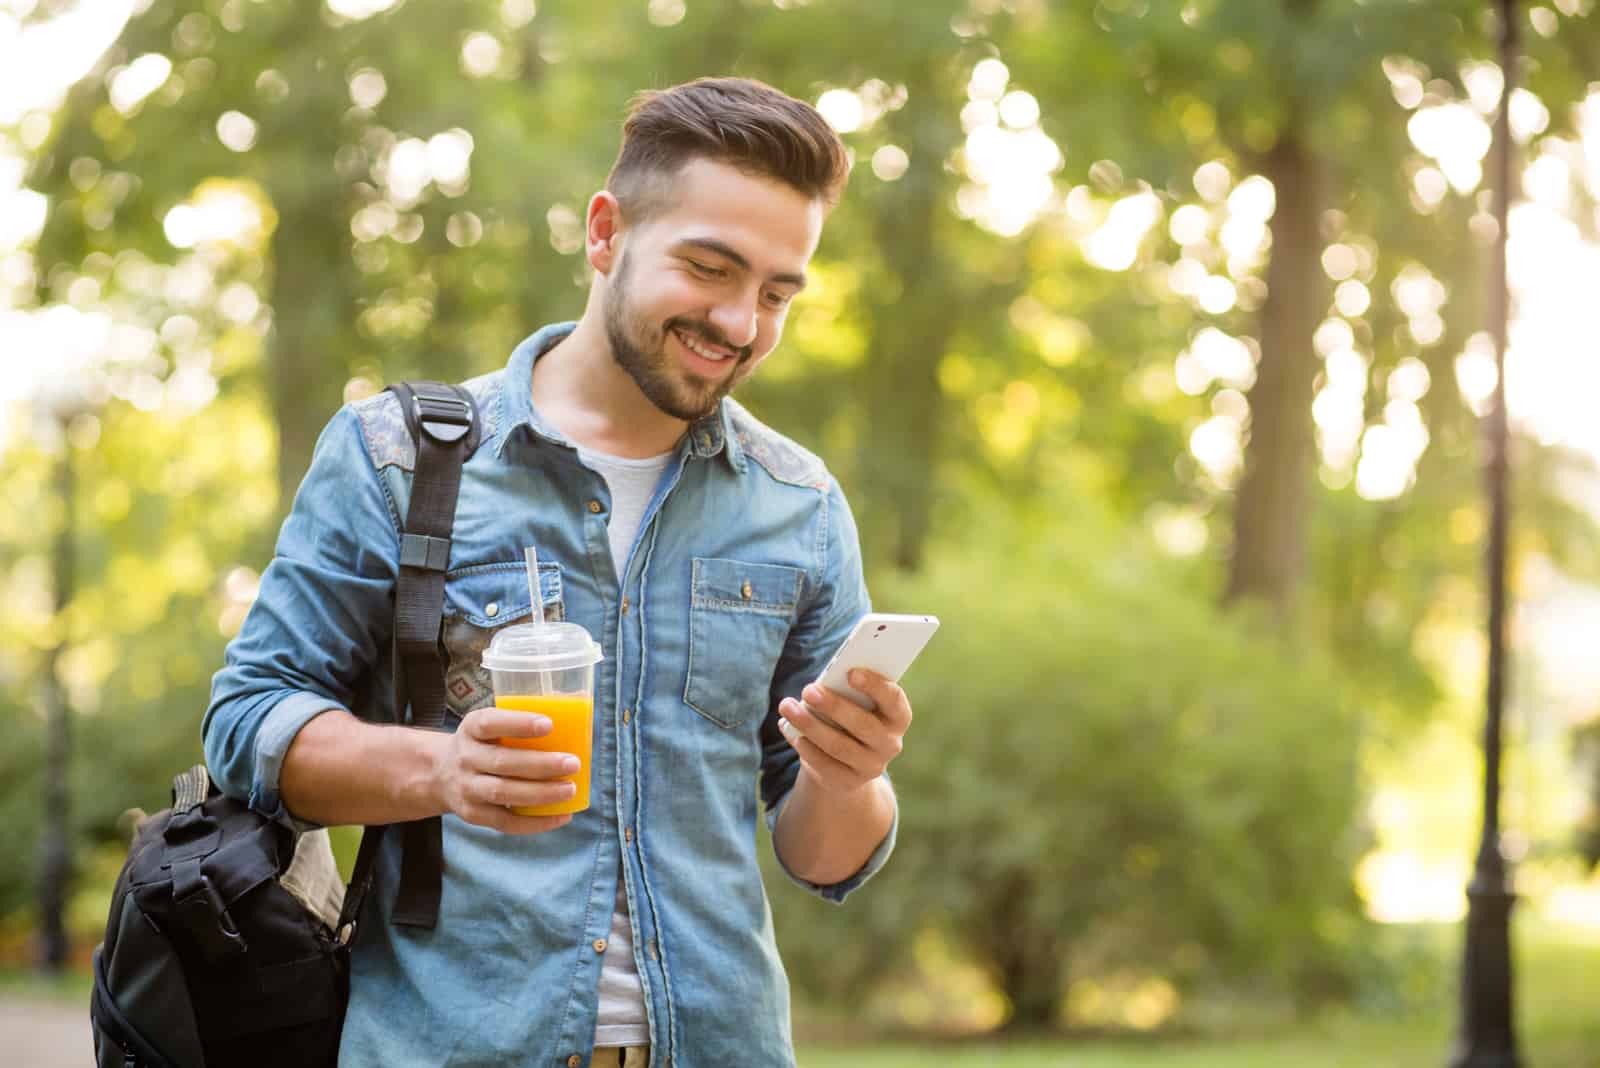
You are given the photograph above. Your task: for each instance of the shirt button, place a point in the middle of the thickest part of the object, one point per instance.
(596, 507)
(627, 716)
(574, 1060)
(491, 609)
(745, 591)
(624, 606)
(599, 945)
(652, 948)
(627, 834)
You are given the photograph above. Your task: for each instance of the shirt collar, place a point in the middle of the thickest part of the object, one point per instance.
(707, 436)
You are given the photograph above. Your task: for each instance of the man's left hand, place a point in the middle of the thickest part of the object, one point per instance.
(843, 745)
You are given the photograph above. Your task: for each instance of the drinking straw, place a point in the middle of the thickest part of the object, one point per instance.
(535, 606)
(536, 603)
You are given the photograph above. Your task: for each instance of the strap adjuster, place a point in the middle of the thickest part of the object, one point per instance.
(445, 419)
(428, 553)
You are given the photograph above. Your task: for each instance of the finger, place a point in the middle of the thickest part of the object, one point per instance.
(506, 761)
(796, 719)
(517, 793)
(893, 705)
(503, 819)
(866, 727)
(837, 709)
(829, 771)
(488, 723)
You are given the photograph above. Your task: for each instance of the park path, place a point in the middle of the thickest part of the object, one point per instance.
(44, 1033)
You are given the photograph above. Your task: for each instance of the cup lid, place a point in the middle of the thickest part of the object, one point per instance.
(541, 647)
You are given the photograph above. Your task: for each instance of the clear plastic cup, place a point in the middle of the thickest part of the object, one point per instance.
(548, 668)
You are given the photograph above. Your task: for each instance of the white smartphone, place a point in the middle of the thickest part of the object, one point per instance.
(881, 642)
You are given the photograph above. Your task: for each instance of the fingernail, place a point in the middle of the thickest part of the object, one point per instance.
(572, 789)
(858, 678)
(542, 724)
(812, 693)
(786, 727)
(571, 765)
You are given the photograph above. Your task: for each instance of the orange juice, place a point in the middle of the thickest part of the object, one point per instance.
(573, 732)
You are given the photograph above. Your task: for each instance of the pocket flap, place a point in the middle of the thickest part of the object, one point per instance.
(734, 585)
(491, 595)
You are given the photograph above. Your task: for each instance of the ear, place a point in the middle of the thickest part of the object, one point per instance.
(603, 233)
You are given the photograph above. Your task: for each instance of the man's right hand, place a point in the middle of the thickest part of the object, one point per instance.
(481, 780)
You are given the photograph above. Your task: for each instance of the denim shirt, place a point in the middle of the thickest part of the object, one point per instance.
(744, 578)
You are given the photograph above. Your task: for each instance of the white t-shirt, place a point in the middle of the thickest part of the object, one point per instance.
(622, 1020)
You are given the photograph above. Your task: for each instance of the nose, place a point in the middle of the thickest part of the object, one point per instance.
(735, 317)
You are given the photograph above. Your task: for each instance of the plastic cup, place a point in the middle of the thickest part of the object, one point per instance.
(548, 668)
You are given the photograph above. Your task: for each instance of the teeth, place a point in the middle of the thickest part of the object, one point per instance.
(697, 348)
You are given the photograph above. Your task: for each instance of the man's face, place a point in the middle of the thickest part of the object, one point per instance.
(699, 293)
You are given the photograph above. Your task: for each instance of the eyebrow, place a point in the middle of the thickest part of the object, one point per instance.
(728, 252)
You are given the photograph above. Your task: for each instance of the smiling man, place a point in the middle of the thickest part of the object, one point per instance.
(716, 562)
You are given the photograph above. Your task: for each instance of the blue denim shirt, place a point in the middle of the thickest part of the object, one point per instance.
(743, 579)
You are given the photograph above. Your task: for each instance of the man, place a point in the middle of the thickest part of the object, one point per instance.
(715, 561)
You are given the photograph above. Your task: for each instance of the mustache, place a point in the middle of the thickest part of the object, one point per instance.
(711, 334)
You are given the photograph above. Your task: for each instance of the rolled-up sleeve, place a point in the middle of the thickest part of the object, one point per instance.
(318, 625)
(832, 607)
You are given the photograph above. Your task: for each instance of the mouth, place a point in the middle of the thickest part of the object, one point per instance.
(703, 356)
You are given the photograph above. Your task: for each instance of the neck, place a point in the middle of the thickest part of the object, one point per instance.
(581, 390)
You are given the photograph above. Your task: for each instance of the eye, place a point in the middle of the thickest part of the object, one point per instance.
(705, 270)
(776, 299)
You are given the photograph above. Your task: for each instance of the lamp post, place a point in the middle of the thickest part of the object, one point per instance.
(59, 402)
(55, 839)
(1486, 1037)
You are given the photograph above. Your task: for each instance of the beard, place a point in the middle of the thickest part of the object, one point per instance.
(641, 350)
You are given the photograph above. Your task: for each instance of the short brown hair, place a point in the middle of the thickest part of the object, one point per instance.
(738, 121)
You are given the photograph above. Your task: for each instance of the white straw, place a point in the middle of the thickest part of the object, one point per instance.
(536, 603)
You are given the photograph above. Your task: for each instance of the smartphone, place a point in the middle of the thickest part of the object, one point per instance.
(881, 642)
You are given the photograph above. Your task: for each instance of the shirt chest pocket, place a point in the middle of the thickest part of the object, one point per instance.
(478, 601)
(739, 619)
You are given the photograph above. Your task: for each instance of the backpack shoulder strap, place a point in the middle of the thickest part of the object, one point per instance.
(444, 424)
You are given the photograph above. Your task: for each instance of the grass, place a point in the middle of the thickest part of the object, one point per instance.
(1558, 1026)
(70, 987)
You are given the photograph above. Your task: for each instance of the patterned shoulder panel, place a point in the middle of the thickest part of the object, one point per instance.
(780, 457)
(384, 427)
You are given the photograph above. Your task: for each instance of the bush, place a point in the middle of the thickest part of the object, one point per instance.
(1109, 783)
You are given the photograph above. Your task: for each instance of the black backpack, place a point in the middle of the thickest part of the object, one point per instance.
(227, 944)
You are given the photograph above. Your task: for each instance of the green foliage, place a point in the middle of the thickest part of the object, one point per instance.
(1101, 755)
(1106, 778)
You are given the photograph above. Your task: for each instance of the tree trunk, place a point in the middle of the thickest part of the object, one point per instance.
(312, 307)
(910, 331)
(55, 867)
(1270, 509)
(1029, 972)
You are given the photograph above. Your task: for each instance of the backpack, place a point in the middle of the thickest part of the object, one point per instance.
(227, 943)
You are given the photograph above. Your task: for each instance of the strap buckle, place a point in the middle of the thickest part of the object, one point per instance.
(199, 908)
(445, 419)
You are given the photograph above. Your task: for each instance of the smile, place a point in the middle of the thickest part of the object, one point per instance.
(701, 348)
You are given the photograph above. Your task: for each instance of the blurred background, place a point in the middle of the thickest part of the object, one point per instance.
(1150, 342)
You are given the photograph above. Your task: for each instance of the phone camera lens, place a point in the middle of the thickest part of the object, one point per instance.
(883, 626)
